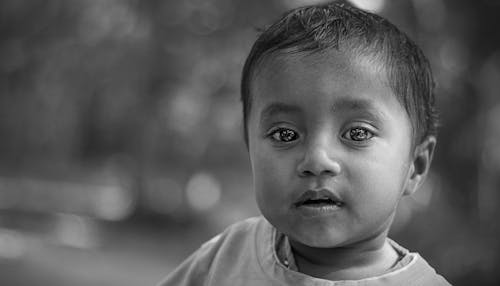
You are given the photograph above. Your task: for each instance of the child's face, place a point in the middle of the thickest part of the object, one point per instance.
(324, 128)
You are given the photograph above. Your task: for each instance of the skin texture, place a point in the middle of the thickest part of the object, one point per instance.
(330, 121)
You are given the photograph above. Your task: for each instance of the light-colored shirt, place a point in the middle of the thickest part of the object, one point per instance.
(253, 252)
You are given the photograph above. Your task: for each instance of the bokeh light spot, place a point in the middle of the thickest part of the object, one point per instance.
(369, 5)
(113, 203)
(291, 4)
(203, 191)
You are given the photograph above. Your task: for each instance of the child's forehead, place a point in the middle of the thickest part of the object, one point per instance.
(293, 83)
(329, 71)
(340, 62)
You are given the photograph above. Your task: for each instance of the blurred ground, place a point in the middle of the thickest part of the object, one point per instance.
(128, 255)
(139, 258)
(60, 248)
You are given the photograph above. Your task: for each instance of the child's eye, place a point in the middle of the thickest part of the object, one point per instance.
(284, 135)
(358, 134)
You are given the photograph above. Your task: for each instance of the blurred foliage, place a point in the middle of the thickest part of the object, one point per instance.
(122, 118)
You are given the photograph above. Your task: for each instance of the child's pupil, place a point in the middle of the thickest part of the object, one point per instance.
(287, 135)
(358, 134)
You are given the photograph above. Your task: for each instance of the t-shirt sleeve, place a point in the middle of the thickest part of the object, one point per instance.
(195, 269)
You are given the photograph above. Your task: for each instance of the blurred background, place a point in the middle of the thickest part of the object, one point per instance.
(121, 146)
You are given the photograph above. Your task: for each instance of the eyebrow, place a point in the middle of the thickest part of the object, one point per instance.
(350, 104)
(346, 103)
(342, 105)
(278, 108)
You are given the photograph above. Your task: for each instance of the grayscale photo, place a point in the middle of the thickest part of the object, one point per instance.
(249, 143)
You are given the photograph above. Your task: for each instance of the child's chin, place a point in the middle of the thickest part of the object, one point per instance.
(324, 240)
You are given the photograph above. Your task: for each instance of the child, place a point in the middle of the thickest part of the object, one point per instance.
(340, 124)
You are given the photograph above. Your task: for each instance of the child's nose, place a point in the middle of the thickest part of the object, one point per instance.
(317, 162)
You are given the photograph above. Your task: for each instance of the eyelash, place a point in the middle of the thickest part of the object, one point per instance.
(352, 134)
(356, 131)
(276, 134)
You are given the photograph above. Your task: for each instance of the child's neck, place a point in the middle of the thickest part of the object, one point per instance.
(363, 259)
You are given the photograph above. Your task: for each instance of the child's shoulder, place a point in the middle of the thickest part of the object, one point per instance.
(413, 269)
(250, 224)
(222, 259)
(240, 231)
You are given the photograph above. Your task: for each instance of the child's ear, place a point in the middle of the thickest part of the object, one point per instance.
(421, 162)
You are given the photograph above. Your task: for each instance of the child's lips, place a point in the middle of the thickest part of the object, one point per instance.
(319, 198)
(318, 203)
(321, 203)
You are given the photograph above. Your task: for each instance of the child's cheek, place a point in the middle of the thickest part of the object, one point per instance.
(377, 183)
(271, 179)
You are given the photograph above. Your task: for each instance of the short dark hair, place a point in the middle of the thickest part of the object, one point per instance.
(338, 25)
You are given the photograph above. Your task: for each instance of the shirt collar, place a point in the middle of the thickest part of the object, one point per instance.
(284, 251)
(285, 255)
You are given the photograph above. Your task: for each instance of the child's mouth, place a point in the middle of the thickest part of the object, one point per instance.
(319, 207)
(320, 202)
